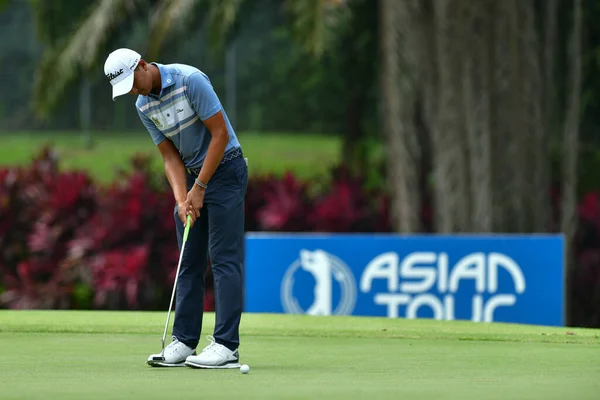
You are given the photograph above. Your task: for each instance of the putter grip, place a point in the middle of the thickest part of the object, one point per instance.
(187, 229)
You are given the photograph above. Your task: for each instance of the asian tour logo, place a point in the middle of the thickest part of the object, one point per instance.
(473, 287)
(334, 285)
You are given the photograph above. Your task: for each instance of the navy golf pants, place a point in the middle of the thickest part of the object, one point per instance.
(218, 233)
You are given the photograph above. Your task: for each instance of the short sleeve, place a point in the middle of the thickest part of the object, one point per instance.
(155, 133)
(202, 96)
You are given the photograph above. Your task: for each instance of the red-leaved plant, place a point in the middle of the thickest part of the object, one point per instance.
(67, 242)
(285, 205)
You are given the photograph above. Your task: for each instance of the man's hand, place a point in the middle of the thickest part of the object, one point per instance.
(195, 201)
(183, 209)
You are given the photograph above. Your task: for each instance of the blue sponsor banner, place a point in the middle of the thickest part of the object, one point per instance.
(484, 278)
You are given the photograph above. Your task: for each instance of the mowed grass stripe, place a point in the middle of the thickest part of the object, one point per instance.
(309, 156)
(275, 325)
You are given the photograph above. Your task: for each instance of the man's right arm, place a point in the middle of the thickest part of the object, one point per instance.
(174, 168)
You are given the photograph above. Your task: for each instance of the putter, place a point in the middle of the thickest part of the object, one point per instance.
(185, 236)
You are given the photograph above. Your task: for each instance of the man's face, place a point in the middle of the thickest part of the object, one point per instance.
(142, 80)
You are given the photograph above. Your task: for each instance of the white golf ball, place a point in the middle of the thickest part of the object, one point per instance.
(245, 369)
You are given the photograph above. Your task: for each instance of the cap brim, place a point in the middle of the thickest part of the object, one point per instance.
(123, 87)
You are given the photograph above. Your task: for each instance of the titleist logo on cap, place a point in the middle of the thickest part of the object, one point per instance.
(113, 75)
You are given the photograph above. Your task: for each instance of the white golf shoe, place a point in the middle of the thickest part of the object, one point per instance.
(174, 355)
(214, 355)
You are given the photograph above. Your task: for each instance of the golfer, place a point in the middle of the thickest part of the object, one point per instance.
(208, 174)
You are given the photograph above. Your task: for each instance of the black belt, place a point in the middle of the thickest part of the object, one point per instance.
(228, 156)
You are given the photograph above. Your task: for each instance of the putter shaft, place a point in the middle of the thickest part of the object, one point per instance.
(185, 236)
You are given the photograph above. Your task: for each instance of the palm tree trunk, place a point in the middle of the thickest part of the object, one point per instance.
(500, 114)
(542, 166)
(520, 161)
(476, 89)
(451, 177)
(551, 119)
(516, 161)
(571, 144)
(536, 212)
(398, 111)
(482, 96)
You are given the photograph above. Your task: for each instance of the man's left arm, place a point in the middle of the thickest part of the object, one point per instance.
(219, 138)
(205, 102)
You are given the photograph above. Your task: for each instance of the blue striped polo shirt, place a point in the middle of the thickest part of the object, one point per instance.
(185, 100)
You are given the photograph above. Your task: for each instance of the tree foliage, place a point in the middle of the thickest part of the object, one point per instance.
(81, 43)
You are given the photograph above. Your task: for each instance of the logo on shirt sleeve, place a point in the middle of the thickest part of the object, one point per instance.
(157, 122)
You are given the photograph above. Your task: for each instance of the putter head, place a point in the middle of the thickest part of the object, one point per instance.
(156, 360)
(160, 357)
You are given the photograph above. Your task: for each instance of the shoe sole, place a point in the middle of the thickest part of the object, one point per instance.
(163, 364)
(201, 366)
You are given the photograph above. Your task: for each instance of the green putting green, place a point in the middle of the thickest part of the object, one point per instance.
(101, 355)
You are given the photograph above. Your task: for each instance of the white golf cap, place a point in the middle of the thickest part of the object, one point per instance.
(118, 68)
